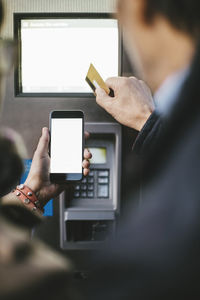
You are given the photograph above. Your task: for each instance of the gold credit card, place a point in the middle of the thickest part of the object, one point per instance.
(95, 80)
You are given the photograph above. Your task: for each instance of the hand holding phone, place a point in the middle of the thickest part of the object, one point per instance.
(66, 146)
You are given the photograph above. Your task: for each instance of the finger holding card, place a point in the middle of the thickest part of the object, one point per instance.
(95, 81)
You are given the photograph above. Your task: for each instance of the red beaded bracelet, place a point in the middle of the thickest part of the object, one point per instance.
(28, 198)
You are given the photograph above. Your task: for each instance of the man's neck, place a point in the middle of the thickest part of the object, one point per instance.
(174, 57)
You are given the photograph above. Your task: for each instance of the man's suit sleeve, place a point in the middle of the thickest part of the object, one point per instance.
(149, 135)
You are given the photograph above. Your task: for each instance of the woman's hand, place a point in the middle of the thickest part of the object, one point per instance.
(38, 179)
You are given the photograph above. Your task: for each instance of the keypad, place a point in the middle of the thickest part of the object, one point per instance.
(90, 187)
(83, 187)
(91, 180)
(91, 194)
(103, 191)
(103, 173)
(77, 194)
(103, 180)
(96, 185)
(83, 194)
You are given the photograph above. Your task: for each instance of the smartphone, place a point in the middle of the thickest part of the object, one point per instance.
(66, 146)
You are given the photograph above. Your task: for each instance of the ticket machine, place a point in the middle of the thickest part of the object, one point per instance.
(57, 41)
(89, 216)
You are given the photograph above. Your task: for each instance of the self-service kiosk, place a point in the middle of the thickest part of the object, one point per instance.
(89, 216)
(57, 41)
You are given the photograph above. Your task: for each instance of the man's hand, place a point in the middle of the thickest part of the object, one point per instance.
(38, 179)
(132, 104)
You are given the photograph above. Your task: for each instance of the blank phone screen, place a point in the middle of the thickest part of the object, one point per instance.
(66, 145)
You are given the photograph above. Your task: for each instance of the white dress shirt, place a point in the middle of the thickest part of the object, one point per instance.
(166, 96)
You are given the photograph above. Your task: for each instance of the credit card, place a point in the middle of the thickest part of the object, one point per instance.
(94, 80)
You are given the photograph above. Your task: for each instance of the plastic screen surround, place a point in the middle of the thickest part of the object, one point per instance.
(56, 53)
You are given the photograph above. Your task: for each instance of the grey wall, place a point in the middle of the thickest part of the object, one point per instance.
(29, 115)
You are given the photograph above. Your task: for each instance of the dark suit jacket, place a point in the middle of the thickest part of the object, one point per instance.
(157, 252)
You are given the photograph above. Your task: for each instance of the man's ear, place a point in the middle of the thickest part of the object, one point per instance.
(138, 7)
(140, 13)
(135, 7)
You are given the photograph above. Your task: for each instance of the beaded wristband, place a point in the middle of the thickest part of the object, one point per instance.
(28, 198)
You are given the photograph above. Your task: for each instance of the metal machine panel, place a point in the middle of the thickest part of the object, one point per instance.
(89, 217)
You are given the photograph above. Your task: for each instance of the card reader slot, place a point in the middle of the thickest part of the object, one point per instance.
(88, 231)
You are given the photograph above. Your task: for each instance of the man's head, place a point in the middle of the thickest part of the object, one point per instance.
(161, 35)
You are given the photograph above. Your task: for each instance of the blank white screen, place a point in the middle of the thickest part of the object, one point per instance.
(66, 146)
(56, 53)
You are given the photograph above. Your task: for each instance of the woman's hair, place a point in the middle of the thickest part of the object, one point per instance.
(11, 166)
(1, 13)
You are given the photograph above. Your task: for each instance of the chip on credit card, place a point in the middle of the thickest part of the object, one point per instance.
(94, 80)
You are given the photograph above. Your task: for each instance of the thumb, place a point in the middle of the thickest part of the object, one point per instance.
(43, 145)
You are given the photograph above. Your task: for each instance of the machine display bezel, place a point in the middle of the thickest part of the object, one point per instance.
(18, 17)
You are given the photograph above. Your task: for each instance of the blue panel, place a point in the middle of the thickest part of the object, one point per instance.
(48, 209)
(27, 166)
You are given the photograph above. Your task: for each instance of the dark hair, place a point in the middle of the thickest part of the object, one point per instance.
(1, 13)
(183, 15)
(11, 166)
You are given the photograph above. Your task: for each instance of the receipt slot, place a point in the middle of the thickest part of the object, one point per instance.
(88, 217)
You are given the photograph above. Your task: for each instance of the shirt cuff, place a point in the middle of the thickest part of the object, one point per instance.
(147, 128)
